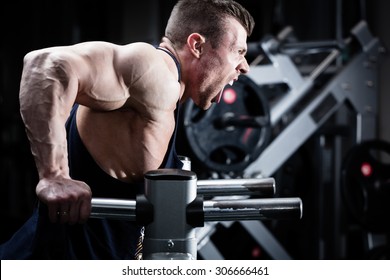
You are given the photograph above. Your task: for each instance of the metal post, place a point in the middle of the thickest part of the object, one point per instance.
(169, 236)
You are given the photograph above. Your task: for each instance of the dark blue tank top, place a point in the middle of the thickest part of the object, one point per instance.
(38, 238)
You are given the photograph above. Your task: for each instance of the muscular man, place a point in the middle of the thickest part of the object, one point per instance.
(99, 115)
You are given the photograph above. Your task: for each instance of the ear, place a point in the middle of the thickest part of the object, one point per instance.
(195, 43)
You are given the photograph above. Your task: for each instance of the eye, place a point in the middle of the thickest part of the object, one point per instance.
(241, 52)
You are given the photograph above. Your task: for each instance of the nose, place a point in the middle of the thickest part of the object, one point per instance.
(243, 67)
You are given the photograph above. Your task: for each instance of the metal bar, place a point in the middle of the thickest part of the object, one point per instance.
(252, 209)
(309, 45)
(126, 209)
(324, 64)
(118, 209)
(224, 187)
(214, 210)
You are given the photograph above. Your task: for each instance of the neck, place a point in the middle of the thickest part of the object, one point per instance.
(167, 44)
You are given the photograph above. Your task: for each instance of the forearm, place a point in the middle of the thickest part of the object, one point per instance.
(48, 146)
(46, 97)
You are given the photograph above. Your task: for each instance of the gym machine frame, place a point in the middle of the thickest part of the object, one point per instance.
(173, 207)
(354, 83)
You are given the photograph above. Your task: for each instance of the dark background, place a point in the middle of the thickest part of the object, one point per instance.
(29, 25)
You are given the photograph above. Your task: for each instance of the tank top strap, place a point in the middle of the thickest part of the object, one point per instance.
(174, 59)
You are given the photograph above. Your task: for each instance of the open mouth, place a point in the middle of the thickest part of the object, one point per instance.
(219, 96)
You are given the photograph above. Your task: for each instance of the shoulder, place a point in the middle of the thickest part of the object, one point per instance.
(135, 50)
(150, 76)
(143, 61)
(136, 55)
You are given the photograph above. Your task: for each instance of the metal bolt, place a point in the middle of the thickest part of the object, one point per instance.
(170, 244)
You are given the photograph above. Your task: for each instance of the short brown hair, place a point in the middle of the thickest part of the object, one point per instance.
(207, 17)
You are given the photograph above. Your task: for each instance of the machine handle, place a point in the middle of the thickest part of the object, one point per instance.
(252, 209)
(214, 210)
(224, 187)
(117, 209)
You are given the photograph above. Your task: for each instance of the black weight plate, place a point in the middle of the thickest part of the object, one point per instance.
(366, 184)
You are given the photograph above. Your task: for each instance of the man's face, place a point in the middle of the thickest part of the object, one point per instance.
(222, 65)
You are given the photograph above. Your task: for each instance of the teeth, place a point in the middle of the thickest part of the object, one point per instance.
(231, 82)
(220, 96)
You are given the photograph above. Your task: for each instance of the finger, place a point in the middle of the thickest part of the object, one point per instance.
(74, 215)
(85, 211)
(63, 215)
(52, 213)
